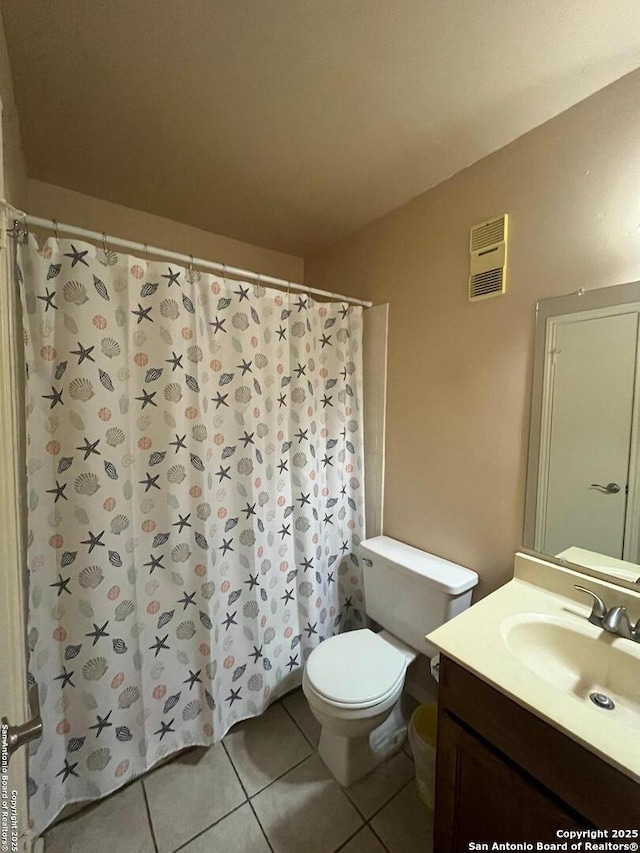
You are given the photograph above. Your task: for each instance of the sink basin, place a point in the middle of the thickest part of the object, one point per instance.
(579, 659)
(532, 641)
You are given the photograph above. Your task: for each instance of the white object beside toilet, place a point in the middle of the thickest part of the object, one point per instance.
(434, 666)
(353, 681)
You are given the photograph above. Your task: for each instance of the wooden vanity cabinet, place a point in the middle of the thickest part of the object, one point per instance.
(505, 775)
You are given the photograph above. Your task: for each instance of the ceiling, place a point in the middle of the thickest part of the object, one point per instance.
(290, 123)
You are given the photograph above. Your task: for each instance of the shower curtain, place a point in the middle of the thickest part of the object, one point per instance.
(195, 492)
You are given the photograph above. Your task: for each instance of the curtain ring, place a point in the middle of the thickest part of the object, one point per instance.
(104, 242)
(55, 230)
(224, 273)
(16, 231)
(190, 266)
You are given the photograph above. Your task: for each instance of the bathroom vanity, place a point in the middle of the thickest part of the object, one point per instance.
(524, 749)
(505, 775)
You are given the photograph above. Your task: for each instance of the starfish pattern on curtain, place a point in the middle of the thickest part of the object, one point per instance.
(195, 493)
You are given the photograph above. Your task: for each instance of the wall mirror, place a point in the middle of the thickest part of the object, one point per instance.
(583, 475)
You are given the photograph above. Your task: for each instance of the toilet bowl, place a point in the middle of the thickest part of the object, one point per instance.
(353, 682)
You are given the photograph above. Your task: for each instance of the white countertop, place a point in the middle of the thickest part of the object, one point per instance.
(476, 640)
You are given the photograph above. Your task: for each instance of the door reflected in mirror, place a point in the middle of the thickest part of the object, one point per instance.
(583, 478)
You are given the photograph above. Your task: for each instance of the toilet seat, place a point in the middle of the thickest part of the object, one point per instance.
(355, 671)
(346, 708)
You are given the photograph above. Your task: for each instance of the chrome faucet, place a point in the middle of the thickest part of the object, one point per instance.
(615, 620)
(599, 609)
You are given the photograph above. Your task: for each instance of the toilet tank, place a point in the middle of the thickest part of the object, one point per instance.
(410, 592)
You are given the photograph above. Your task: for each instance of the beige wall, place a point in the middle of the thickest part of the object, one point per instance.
(459, 373)
(15, 175)
(74, 208)
(85, 211)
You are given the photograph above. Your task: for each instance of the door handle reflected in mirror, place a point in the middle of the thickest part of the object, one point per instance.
(609, 489)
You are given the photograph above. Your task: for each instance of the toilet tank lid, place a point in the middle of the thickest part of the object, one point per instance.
(443, 575)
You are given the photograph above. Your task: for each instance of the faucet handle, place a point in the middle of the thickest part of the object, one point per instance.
(599, 610)
(617, 622)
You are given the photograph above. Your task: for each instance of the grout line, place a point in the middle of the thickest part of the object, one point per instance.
(226, 751)
(231, 811)
(277, 778)
(207, 828)
(399, 791)
(366, 821)
(248, 798)
(151, 829)
(386, 802)
(350, 838)
(384, 846)
(358, 830)
(299, 727)
(345, 791)
(266, 837)
(314, 751)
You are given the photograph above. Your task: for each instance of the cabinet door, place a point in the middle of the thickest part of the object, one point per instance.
(483, 797)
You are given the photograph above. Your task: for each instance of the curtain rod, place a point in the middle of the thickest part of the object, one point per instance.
(187, 260)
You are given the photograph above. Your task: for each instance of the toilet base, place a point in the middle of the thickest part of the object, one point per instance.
(351, 758)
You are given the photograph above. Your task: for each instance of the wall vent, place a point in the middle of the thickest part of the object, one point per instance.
(488, 247)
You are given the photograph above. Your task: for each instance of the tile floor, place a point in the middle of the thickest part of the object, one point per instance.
(262, 789)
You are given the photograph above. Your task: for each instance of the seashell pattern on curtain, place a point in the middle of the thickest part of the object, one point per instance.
(195, 492)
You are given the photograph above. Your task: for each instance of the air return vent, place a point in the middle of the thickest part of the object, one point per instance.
(488, 246)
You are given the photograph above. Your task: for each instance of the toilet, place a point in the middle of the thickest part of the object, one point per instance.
(353, 681)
